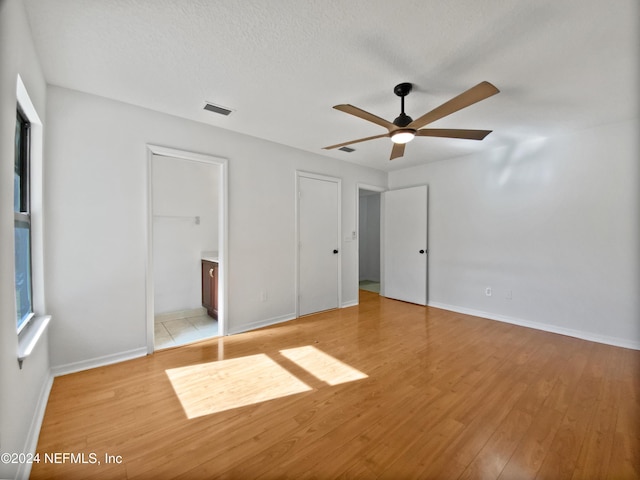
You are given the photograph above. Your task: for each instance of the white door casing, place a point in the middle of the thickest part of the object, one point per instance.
(404, 232)
(223, 228)
(318, 232)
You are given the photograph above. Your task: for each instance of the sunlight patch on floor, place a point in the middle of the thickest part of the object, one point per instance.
(214, 387)
(322, 366)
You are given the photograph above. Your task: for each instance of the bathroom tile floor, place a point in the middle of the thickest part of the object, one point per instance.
(370, 286)
(171, 333)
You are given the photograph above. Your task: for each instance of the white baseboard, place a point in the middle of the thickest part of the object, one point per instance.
(592, 337)
(31, 443)
(351, 303)
(98, 362)
(261, 323)
(275, 320)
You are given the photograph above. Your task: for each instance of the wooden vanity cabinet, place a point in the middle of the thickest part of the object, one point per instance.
(210, 287)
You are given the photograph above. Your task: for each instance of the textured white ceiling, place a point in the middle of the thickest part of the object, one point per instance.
(282, 64)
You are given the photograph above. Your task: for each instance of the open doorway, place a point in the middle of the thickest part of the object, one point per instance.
(369, 244)
(187, 225)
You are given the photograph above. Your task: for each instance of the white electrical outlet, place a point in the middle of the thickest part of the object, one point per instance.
(263, 296)
(509, 295)
(487, 291)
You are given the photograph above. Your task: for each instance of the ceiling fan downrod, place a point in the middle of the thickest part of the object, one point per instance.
(402, 90)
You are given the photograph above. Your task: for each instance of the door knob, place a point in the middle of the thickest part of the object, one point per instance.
(421, 251)
(335, 251)
(211, 272)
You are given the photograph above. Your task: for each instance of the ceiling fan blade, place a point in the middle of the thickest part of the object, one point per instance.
(358, 112)
(356, 141)
(453, 133)
(397, 150)
(473, 95)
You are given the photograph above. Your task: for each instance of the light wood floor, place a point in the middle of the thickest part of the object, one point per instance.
(382, 390)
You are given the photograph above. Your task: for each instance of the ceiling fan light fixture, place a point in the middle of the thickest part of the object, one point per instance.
(404, 135)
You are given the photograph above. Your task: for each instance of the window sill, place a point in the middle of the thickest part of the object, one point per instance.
(29, 337)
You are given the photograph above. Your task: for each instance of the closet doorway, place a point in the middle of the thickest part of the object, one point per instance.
(369, 234)
(186, 227)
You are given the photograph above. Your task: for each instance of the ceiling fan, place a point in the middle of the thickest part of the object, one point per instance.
(404, 128)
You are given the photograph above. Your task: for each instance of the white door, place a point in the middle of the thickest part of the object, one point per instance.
(405, 244)
(318, 243)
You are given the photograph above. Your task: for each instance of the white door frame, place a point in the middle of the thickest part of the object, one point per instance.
(371, 188)
(299, 174)
(223, 229)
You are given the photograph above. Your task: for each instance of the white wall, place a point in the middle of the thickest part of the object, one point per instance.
(96, 190)
(182, 191)
(369, 236)
(22, 392)
(552, 223)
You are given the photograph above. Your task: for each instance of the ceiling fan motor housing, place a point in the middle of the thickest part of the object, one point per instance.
(402, 120)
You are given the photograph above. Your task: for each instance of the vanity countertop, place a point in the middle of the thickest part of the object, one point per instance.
(210, 256)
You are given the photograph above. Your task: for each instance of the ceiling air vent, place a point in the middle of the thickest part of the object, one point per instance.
(347, 149)
(217, 109)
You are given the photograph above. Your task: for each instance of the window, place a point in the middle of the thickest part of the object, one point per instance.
(22, 222)
(31, 320)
